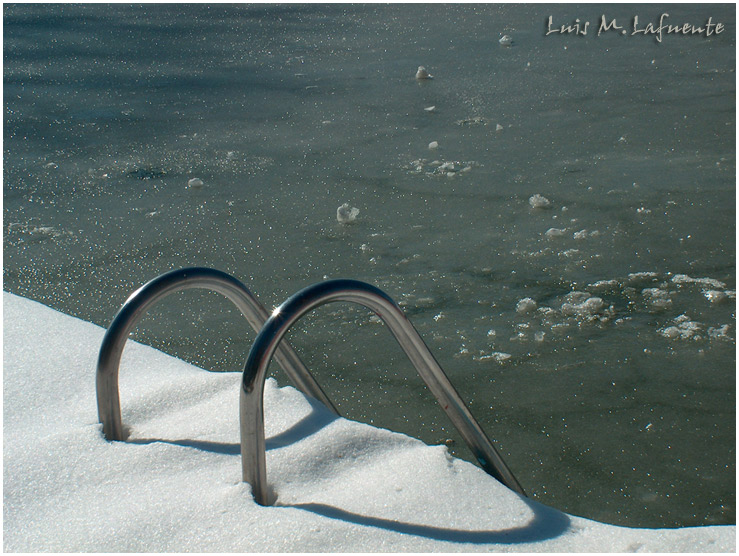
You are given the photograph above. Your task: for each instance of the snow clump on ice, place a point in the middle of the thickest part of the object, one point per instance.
(581, 304)
(555, 232)
(539, 201)
(526, 305)
(421, 73)
(346, 214)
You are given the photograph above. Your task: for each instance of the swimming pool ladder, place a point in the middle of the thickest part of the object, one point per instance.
(267, 345)
(140, 301)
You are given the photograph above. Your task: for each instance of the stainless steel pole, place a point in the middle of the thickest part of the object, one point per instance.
(140, 301)
(252, 392)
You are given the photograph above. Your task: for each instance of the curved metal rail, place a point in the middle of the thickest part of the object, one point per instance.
(251, 401)
(140, 301)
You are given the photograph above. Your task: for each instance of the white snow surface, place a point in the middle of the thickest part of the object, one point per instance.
(175, 484)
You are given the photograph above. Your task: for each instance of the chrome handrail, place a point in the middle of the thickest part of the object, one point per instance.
(251, 399)
(140, 301)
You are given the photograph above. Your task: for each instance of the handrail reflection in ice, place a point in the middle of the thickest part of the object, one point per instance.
(251, 400)
(140, 301)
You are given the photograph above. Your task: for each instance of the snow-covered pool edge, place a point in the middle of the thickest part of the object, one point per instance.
(175, 485)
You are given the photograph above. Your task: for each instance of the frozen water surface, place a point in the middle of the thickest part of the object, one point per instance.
(604, 401)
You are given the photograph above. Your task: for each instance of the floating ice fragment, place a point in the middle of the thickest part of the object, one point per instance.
(709, 282)
(657, 298)
(430, 108)
(539, 201)
(605, 285)
(593, 305)
(423, 74)
(684, 329)
(715, 296)
(690, 329)
(582, 234)
(346, 214)
(506, 40)
(195, 183)
(719, 333)
(580, 304)
(554, 232)
(526, 305)
(670, 332)
(642, 277)
(433, 145)
(498, 356)
(51, 165)
(47, 231)
(560, 327)
(498, 127)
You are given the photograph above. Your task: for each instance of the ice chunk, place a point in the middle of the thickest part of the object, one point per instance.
(539, 201)
(580, 304)
(715, 296)
(670, 332)
(721, 333)
(346, 214)
(605, 286)
(421, 73)
(526, 305)
(498, 356)
(657, 298)
(681, 279)
(555, 232)
(683, 328)
(642, 277)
